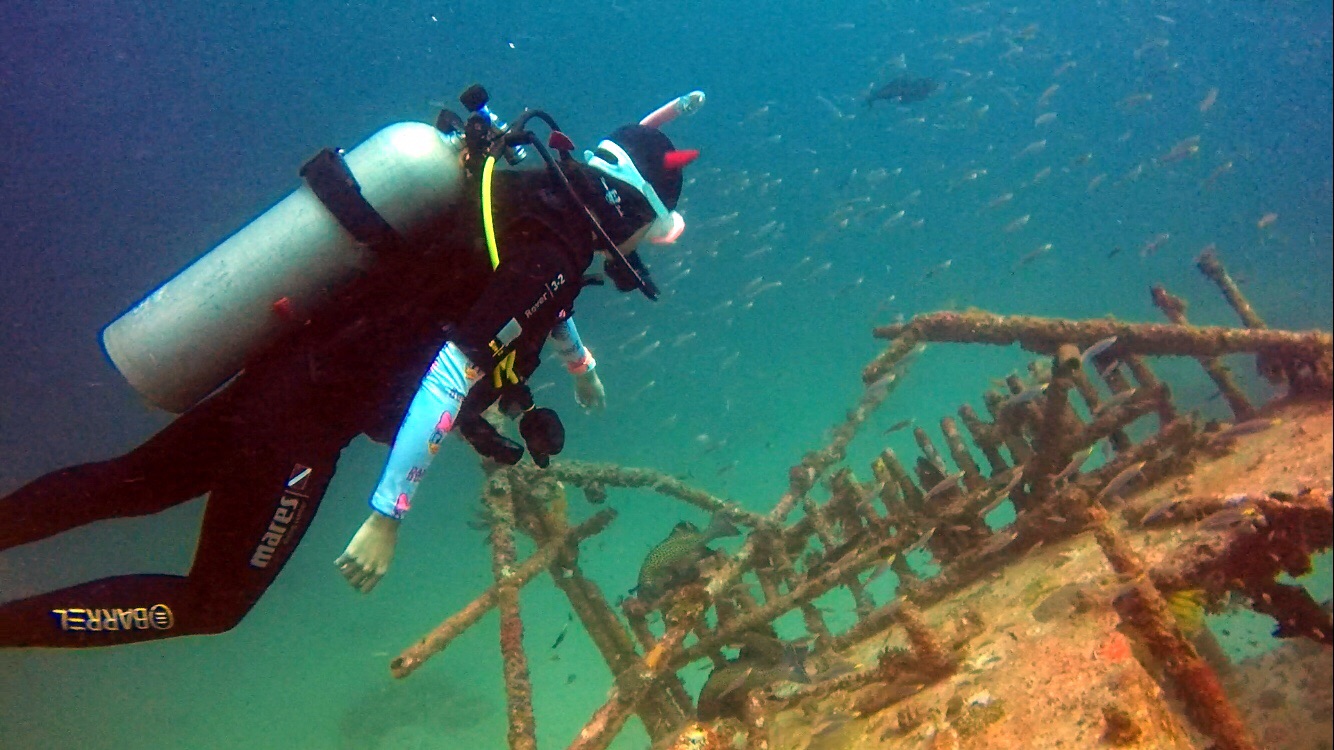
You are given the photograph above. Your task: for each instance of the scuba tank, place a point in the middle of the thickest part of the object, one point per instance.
(197, 330)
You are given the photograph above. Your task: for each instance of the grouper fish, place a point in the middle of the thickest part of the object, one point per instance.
(675, 560)
(904, 90)
(763, 661)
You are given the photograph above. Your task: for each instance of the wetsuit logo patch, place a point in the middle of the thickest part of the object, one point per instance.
(114, 619)
(289, 506)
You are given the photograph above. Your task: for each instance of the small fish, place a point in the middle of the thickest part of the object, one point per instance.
(881, 385)
(1044, 119)
(1149, 46)
(1249, 427)
(1219, 171)
(904, 90)
(763, 661)
(998, 542)
(646, 351)
(945, 485)
(762, 288)
(1033, 255)
(920, 544)
(1209, 100)
(931, 272)
(1119, 399)
(684, 338)
(1119, 482)
(1017, 224)
(1049, 92)
(1016, 476)
(1266, 220)
(735, 684)
(1036, 147)
(1182, 150)
(1134, 100)
(993, 505)
(1161, 512)
(1187, 608)
(828, 725)
(1153, 244)
(1098, 347)
(1097, 180)
(836, 667)
(880, 569)
(635, 339)
(560, 638)
(1229, 519)
(902, 424)
(1075, 463)
(1023, 397)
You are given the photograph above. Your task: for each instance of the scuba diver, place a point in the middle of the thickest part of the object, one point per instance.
(404, 289)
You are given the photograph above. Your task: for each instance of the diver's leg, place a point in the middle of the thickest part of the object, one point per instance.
(252, 523)
(175, 465)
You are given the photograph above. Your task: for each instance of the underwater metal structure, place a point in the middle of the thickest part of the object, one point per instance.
(1034, 441)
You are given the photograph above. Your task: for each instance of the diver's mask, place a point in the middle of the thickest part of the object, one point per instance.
(612, 160)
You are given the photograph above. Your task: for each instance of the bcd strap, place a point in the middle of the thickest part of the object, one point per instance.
(332, 182)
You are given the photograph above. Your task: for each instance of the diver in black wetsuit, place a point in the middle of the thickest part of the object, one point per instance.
(264, 448)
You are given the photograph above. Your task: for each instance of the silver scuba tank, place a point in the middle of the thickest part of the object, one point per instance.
(195, 332)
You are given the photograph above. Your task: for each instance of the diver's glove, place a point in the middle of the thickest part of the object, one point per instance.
(488, 442)
(541, 428)
(545, 435)
(481, 434)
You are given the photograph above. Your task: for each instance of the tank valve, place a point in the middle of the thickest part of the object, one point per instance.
(475, 100)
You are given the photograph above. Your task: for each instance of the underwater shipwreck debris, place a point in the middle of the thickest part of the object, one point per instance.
(1038, 445)
(1174, 308)
(1148, 612)
(518, 685)
(440, 638)
(1264, 536)
(1308, 355)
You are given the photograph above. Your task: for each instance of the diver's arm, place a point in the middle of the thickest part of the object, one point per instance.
(588, 390)
(430, 417)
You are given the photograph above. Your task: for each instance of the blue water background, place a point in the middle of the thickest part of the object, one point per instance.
(135, 138)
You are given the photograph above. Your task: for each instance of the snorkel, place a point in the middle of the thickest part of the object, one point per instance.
(668, 225)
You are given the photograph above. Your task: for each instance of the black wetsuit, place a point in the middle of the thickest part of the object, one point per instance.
(264, 448)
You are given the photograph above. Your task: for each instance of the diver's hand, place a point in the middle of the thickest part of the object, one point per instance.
(545, 435)
(368, 555)
(588, 390)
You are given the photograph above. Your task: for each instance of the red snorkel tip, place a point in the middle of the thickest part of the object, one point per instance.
(679, 159)
(560, 141)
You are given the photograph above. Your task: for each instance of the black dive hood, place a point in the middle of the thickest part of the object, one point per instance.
(626, 273)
